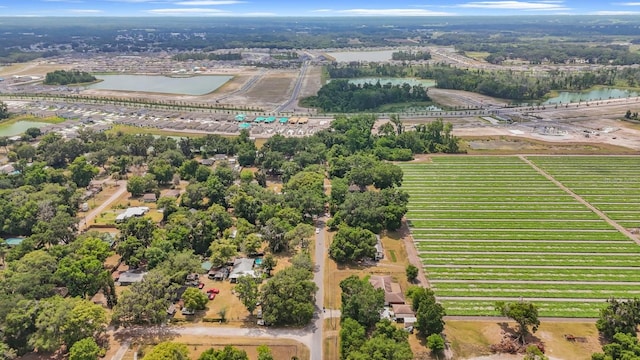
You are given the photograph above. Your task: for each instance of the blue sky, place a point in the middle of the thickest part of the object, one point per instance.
(314, 8)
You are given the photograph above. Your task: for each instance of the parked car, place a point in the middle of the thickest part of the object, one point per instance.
(200, 286)
(186, 311)
(317, 230)
(212, 296)
(259, 314)
(213, 291)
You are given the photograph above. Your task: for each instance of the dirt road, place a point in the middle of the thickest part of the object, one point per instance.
(84, 223)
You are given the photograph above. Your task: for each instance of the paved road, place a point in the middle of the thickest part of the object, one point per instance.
(98, 210)
(318, 277)
(296, 89)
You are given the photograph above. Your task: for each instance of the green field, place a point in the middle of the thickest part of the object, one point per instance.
(493, 228)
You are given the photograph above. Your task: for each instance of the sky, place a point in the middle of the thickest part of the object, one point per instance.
(315, 8)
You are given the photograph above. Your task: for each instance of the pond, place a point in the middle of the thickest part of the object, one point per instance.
(19, 127)
(567, 97)
(375, 56)
(393, 81)
(195, 85)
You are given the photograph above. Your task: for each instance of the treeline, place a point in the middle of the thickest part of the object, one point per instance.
(555, 53)
(343, 96)
(63, 77)
(356, 69)
(410, 55)
(207, 56)
(515, 85)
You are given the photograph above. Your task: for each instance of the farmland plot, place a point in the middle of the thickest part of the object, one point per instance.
(493, 228)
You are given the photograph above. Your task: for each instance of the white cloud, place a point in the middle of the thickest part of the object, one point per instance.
(392, 12)
(628, 4)
(516, 5)
(85, 11)
(187, 11)
(613, 12)
(207, 2)
(258, 14)
(321, 10)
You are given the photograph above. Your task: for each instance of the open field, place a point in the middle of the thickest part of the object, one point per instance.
(494, 228)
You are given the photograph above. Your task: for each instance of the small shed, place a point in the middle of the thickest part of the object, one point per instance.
(131, 276)
(403, 313)
(379, 249)
(149, 198)
(219, 273)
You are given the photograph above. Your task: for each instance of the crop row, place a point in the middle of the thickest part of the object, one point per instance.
(537, 274)
(494, 235)
(545, 309)
(530, 259)
(425, 205)
(573, 291)
(591, 247)
(503, 215)
(509, 224)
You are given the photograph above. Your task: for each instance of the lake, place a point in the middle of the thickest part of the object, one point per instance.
(195, 85)
(393, 81)
(566, 97)
(19, 127)
(375, 56)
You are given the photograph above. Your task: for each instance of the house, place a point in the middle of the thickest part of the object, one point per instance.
(173, 193)
(207, 162)
(132, 212)
(7, 169)
(403, 313)
(171, 310)
(392, 291)
(219, 273)
(379, 249)
(131, 276)
(242, 267)
(149, 197)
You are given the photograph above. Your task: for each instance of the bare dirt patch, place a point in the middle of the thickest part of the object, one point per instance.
(471, 339)
(272, 89)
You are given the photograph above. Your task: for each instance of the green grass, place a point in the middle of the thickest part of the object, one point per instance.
(539, 274)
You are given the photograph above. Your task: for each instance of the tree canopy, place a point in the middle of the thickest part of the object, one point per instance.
(522, 312)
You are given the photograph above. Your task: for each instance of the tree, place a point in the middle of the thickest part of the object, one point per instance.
(412, 273)
(619, 316)
(299, 235)
(352, 244)
(161, 170)
(622, 347)
(7, 353)
(168, 351)
(4, 111)
(429, 313)
(352, 337)
(251, 244)
(533, 352)
(228, 353)
(387, 342)
(361, 301)
(522, 312)
(222, 251)
(264, 353)
(33, 132)
(85, 349)
(269, 262)
(136, 185)
(82, 275)
(144, 303)
(194, 299)
(82, 172)
(435, 343)
(288, 298)
(247, 290)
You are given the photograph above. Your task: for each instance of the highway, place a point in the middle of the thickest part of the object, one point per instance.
(296, 90)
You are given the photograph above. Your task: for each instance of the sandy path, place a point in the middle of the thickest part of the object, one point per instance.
(412, 255)
(98, 210)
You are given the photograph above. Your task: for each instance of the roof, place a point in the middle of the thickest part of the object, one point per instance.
(206, 265)
(131, 276)
(241, 267)
(131, 212)
(149, 196)
(402, 311)
(392, 291)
